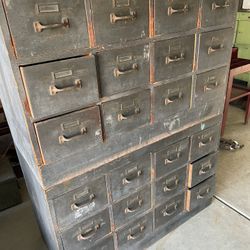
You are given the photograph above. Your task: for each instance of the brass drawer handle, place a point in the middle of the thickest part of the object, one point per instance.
(53, 90)
(205, 168)
(216, 6)
(88, 198)
(173, 158)
(126, 114)
(133, 207)
(38, 27)
(210, 86)
(171, 184)
(172, 11)
(131, 177)
(173, 98)
(63, 139)
(174, 59)
(118, 72)
(89, 233)
(213, 49)
(205, 142)
(202, 195)
(114, 18)
(137, 234)
(170, 209)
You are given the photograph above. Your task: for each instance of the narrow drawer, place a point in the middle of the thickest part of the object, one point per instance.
(65, 135)
(202, 169)
(172, 157)
(169, 210)
(81, 202)
(53, 28)
(172, 98)
(173, 57)
(243, 28)
(60, 86)
(85, 234)
(205, 142)
(128, 178)
(170, 13)
(215, 48)
(105, 244)
(170, 185)
(137, 203)
(120, 20)
(218, 12)
(200, 194)
(126, 113)
(135, 232)
(123, 69)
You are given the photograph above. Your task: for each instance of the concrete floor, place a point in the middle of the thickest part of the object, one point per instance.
(224, 225)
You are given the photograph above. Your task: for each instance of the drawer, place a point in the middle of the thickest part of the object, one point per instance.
(169, 210)
(53, 28)
(215, 48)
(172, 98)
(135, 232)
(105, 244)
(173, 57)
(218, 12)
(202, 169)
(243, 28)
(65, 135)
(85, 234)
(172, 157)
(200, 194)
(123, 69)
(81, 202)
(60, 86)
(169, 13)
(120, 20)
(137, 203)
(126, 113)
(128, 178)
(205, 142)
(170, 185)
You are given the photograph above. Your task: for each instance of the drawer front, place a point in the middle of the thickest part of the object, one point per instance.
(202, 169)
(172, 157)
(200, 194)
(170, 13)
(85, 234)
(126, 113)
(106, 244)
(215, 48)
(128, 178)
(170, 185)
(243, 28)
(173, 57)
(166, 212)
(137, 203)
(79, 203)
(218, 12)
(172, 98)
(205, 142)
(65, 135)
(61, 86)
(120, 20)
(53, 28)
(135, 232)
(123, 69)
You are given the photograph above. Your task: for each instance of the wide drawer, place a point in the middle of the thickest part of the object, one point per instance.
(85, 234)
(60, 86)
(65, 135)
(173, 57)
(215, 48)
(126, 113)
(123, 69)
(135, 232)
(81, 202)
(170, 13)
(120, 20)
(172, 98)
(169, 210)
(200, 194)
(132, 206)
(172, 157)
(52, 28)
(202, 169)
(170, 185)
(128, 178)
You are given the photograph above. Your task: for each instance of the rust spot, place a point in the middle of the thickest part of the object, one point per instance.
(27, 106)
(91, 34)
(152, 69)
(199, 18)
(151, 19)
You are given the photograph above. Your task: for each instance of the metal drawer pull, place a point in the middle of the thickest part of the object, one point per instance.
(202, 195)
(136, 235)
(173, 98)
(172, 11)
(38, 27)
(85, 200)
(63, 139)
(171, 184)
(118, 72)
(114, 18)
(172, 158)
(134, 206)
(170, 209)
(126, 114)
(217, 6)
(205, 142)
(176, 58)
(213, 49)
(53, 90)
(210, 86)
(89, 233)
(129, 178)
(205, 169)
